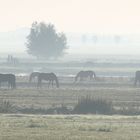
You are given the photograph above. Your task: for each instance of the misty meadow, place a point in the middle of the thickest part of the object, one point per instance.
(69, 70)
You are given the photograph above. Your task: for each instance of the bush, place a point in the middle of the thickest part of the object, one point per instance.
(95, 106)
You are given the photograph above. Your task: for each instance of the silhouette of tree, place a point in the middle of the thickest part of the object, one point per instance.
(44, 42)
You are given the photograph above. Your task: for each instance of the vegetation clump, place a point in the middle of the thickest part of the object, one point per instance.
(89, 105)
(7, 107)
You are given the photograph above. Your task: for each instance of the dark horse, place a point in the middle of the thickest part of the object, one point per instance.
(47, 77)
(9, 78)
(137, 77)
(33, 75)
(85, 74)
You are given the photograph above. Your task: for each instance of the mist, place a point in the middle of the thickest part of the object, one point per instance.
(70, 69)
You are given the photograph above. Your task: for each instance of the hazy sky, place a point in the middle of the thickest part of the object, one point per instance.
(84, 16)
(101, 16)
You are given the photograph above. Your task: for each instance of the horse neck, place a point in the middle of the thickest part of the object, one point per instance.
(76, 77)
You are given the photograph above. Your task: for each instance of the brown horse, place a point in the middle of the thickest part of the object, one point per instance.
(85, 74)
(8, 78)
(47, 77)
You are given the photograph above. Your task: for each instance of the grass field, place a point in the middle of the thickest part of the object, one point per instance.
(119, 90)
(69, 127)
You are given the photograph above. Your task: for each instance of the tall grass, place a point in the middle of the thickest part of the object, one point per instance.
(89, 105)
(7, 107)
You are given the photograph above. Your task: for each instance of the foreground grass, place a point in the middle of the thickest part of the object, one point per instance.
(69, 127)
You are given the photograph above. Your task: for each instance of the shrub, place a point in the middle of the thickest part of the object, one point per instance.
(90, 105)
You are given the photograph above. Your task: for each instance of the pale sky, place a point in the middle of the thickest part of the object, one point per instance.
(101, 16)
(83, 16)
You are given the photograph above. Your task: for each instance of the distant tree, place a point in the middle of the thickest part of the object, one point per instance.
(44, 42)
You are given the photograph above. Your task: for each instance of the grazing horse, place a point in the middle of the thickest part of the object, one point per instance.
(47, 77)
(9, 78)
(33, 75)
(85, 74)
(137, 77)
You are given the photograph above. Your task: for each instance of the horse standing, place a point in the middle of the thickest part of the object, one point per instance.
(47, 77)
(85, 74)
(9, 78)
(137, 77)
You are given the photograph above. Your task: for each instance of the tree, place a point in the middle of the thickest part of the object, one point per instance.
(44, 42)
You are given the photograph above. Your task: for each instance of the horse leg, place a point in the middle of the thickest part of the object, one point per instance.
(9, 85)
(49, 83)
(52, 83)
(39, 83)
(81, 78)
(135, 83)
(91, 78)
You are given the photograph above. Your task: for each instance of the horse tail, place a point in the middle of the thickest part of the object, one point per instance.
(14, 82)
(95, 77)
(56, 80)
(135, 82)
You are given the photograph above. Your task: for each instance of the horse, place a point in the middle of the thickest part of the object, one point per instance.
(137, 77)
(33, 75)
(47, 77)
(85, 74)
(10, 78)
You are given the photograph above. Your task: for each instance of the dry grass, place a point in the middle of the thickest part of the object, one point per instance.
(69, 127)
(121, 96)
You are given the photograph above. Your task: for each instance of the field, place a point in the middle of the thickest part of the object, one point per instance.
(121, 93)
(114, 83)
(69, 127)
